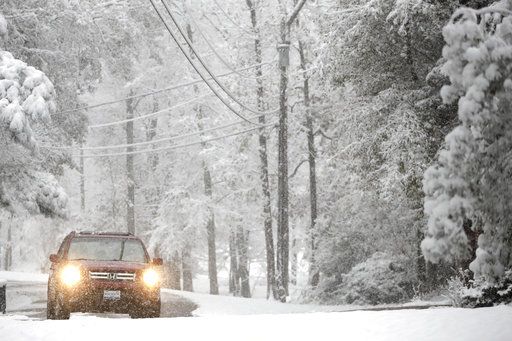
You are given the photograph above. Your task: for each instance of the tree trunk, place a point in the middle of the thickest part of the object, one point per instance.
(151, 133)
(210, 231)
(187, 269)
(314, 275)
(234, 279)
(82, 178)
(152, 195)
(421, 265)
(243, 262)
(267, 213)
(130, 173)
(283, 237)
(3, 258)
(113, 196)
(282, 185)
(295, 259)
(210, 226)
(174, 272)
(8, 249)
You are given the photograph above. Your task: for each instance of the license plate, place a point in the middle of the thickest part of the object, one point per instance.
(111, 295)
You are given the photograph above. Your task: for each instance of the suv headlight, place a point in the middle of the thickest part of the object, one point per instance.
(70, 275)
(150, 277)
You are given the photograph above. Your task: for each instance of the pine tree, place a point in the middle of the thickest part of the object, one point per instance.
(470, 183)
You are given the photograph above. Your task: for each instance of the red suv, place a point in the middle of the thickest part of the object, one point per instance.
(103, 272)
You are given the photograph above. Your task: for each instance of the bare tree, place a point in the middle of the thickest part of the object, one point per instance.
(267, 213)
(130, 172)
(186, 268)
(234, 275)
(283, 236)
(242, 237)
(208, 189)
(314, 276)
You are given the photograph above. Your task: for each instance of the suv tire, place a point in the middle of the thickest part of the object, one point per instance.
(50, 305)
(61, 311)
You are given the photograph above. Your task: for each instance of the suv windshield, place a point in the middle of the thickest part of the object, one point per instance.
(109, 249)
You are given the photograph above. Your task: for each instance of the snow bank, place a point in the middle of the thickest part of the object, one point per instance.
(434, 324)
(11, 276)
(211, 305)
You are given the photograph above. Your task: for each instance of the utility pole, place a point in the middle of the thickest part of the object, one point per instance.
(283, 236)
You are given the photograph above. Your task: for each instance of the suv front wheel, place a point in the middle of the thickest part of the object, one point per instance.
(50, 310)
(61, 310)
(56, 308)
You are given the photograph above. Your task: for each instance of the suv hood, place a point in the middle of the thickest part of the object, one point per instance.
(97, 265)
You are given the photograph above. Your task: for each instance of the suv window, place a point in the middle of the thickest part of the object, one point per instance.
(108, 249)
(62, 247)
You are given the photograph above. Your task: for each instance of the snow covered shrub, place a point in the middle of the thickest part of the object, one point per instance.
(483, 294)
(457, 288)
(379, 279)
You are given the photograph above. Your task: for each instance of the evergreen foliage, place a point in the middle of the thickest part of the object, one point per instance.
(470, 181)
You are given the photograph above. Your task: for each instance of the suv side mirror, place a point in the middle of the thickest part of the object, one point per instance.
(54, 258)
(157, 261)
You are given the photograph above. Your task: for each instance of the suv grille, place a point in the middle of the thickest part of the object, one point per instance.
(112, 276)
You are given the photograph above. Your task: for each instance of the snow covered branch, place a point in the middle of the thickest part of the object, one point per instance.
(25, 94)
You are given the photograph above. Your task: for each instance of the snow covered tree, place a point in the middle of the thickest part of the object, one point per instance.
(26, 98)
(26, 95)
(470, 183)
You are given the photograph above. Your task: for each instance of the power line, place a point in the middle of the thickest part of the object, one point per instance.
(251, 34)
(210, 45)
(189, 43)
(179, 105)
(173, 87)
(155, 150)
(223, 100)
(166, 139)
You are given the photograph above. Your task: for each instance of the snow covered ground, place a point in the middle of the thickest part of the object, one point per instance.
(432, 324)
(229, 318)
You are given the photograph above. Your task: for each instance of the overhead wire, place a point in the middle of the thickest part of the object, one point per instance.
(138, 144)
(251, 34)
(154, 92)
(202, 62)
(217, 54)
(223, 100)
(161, 149)
(142, 117)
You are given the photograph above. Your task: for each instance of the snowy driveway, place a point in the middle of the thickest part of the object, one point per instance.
(433, 324)
(228, 318)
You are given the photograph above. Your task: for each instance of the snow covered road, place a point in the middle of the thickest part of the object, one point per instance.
(229, 318)
(433, 324)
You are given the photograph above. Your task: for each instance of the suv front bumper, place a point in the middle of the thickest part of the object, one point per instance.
(89, 297)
